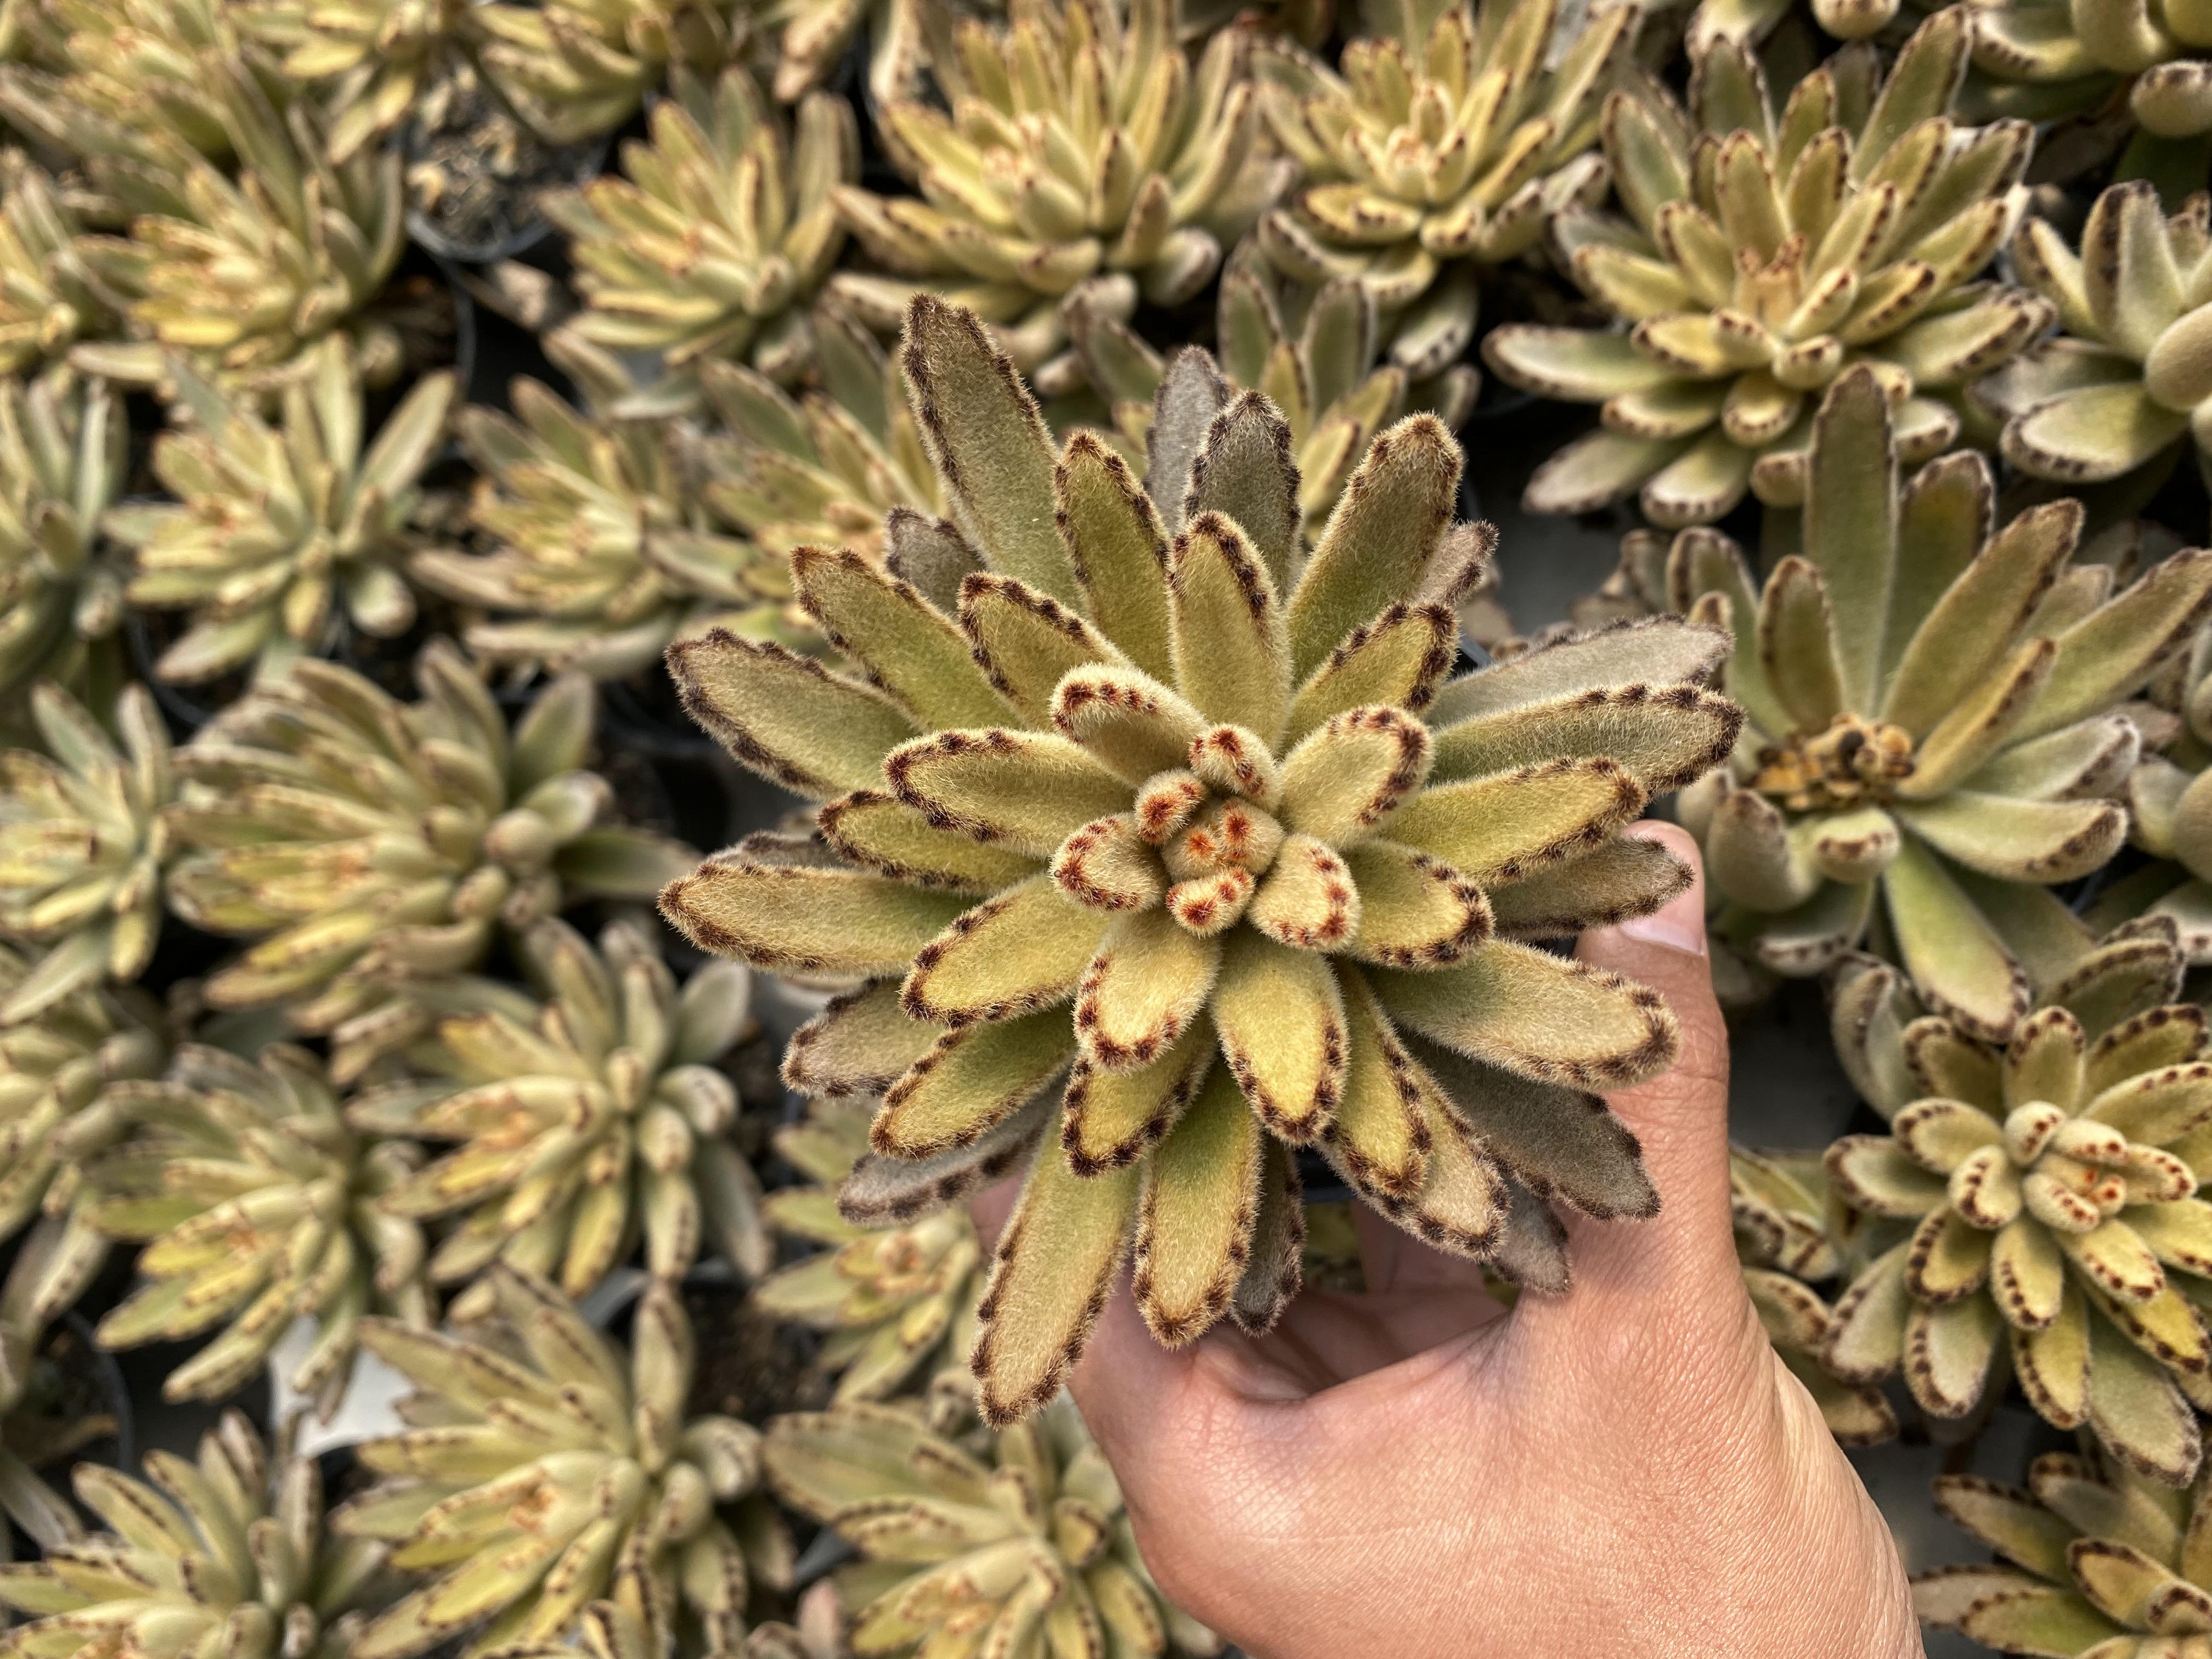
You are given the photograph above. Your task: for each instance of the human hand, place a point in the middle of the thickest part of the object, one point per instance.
(1415, 1473)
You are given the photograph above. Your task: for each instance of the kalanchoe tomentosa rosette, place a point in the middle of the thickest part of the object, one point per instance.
(1763, 254)
(2128, 374)
(2094, 1560)
(1025, 1553)
(585, 1121)
(256, 1206)
(367, 845)
(216, 1554)
(82, 846)
(1447, 141)
(2042, 1193)
(1080, 142)
(1137, 753)
(714, 243)
(1932, 718)
(542, 1464)
(600, 552)
(280, 529)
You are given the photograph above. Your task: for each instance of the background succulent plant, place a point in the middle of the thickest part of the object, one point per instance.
(585, 1122)
(2115, 391)
(217, 1551)
(2051, 58)
(1447, 139)
(254, 1204)
(826, 468)
(243, 272)
(601, 553)
(1316, 354)
(1026, 1548)
(375, 61)
(1931, 717)
(578, 68)
(82, 846)
(1791, 1233)
(1764, 253)
(280, 532)
(1180, 786)
(713, 244)
(51, 297)
(63, 456)
(2089, 1554)
(1025, 194)
(58, 1111)
(2166, 809)
(542, 1461)
(2040, 1192)
(366, 845)
(896, 1303)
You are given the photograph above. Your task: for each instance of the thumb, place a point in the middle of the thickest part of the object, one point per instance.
(1681, 1117)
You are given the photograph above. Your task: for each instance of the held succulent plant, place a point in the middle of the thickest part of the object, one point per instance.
(719, 235)
(1025, 1553)
(2093, 1559)
(1218, 797)
(243, 273)
(543, 1464)
(280, 531)
(583, 1122)
(1764, 254)
(2042, 1193)
(1933, 718)
(370, 849)
(826, 470)
(1449, 141)
(1080, 144)
(2123, 383)
(255, 1206)
(896, 1302)
(102, 77)
(601, 552)
(219, 1554)
(64, 453)
(82, 846)
(1313, 354)
(1791, 1228)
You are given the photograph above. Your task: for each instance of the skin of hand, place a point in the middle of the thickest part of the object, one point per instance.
(1416, 1473)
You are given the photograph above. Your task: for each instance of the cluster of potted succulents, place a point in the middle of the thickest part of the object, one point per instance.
(644, 641)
